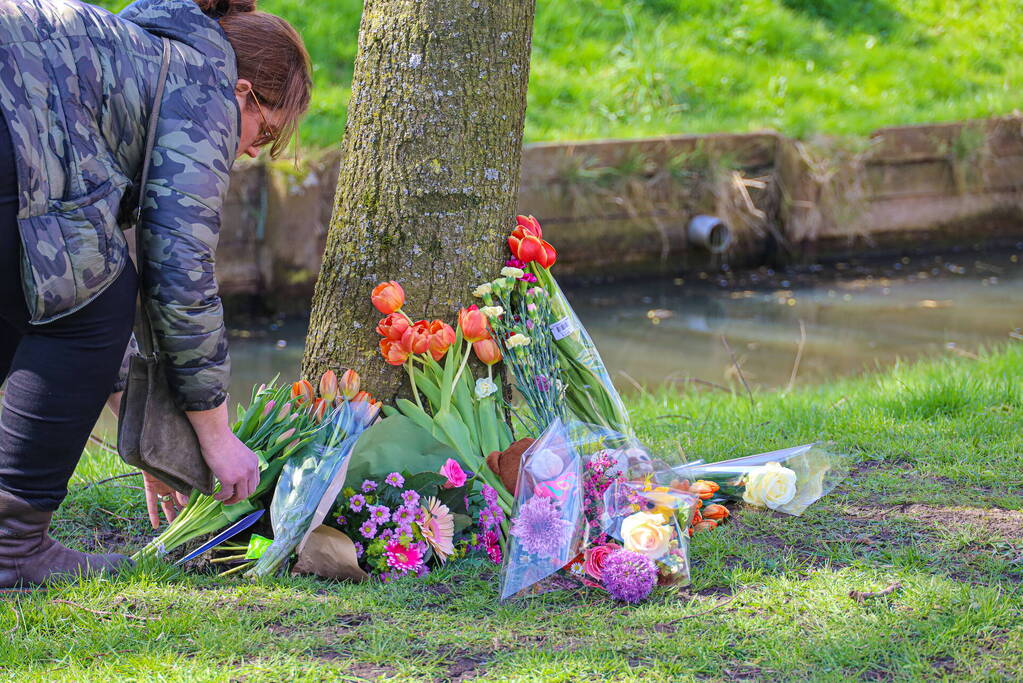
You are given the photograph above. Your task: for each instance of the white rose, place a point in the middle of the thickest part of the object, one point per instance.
(770, 486)
(647, 534)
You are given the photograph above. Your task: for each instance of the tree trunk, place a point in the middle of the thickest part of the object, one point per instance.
(429, 171)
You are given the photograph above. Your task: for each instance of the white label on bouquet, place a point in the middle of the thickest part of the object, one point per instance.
(562, 328)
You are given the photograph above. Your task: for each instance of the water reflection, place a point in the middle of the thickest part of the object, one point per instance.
(855, 318)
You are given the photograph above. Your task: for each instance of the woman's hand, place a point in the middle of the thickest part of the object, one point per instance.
(160, 496)
(234, 465)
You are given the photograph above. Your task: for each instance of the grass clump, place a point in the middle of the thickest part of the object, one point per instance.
(632, 68)
(933, 504)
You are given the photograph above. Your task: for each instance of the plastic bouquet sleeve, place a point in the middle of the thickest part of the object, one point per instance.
(589, 391)
(787, 480)
(308, 478)
(546, 529)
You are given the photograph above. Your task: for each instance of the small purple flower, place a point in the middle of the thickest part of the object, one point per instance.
(542, 383)
(489, 494)
(540, 528)
(357, 502)
(410, 498)
(529, 277)
(387, 534)
(422, 570)
(629, 576)
(359, 550)
(530, 325)
(368, 529)
(404, 516)
(368, 486)
(341, 520)
(394, 479)
(379, 514)
(405, 530)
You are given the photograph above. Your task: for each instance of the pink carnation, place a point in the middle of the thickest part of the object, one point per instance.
(455, 474)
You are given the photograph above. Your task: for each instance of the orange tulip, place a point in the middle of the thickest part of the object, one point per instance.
(393, 326)
(697, 518)
(362, 396)
(416, 338)
(388, 297)
(715, 512)
(350, 382)
(474, 324)
(704, 489)
(302, 391)
(393, 352)
(705, 525)
(328, 386)
(487, 351)
(319, 409)
(441, 338)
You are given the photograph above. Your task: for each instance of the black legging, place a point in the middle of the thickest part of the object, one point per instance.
(60, 374)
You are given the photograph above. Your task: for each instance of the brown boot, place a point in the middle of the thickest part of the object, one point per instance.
(28, 556)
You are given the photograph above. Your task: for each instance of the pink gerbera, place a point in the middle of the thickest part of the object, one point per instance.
(402, 558)
(437, 525)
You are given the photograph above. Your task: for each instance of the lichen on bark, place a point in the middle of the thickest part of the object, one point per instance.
(429, 170)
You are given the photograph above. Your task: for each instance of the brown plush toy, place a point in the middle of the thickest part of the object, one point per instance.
(506, 464)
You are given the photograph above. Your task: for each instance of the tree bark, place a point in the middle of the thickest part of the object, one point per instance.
(429, 171)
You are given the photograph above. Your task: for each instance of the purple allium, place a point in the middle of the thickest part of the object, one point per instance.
(359, 550)
(357, 502)
(368, 529)
(489, 494)
(368, 486)
(540, 528)
(380, 514)
(410, 498)
(629, 576)
(394, 479)
(404, 516)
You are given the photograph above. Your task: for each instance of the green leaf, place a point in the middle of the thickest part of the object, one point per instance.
(396, 444)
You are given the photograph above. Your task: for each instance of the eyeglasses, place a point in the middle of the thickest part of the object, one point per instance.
(267, 134)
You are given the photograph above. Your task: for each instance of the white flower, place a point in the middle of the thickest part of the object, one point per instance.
(516, 273)
(492, 311)
(770, 486)
(485, 387)
(517, 339)
(482, 290)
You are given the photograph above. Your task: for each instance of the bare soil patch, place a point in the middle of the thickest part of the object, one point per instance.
(1006, 524)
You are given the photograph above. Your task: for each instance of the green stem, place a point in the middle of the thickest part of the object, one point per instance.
(465, 360)
(412, 378)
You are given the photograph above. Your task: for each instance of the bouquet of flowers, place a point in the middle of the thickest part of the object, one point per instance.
(408, 523)
(278, 423)
(519, 312)
(589, 391)
(307, 479)
(589, 510)
(787, 480)
(459, 410)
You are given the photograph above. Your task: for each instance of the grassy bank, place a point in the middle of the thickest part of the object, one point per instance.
(630, 68)
(934, 505)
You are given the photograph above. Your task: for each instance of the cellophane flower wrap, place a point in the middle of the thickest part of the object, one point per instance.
(787, 480)
(547, 528)
(307, 478)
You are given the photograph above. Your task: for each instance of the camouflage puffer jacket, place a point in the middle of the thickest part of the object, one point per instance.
(76, 87)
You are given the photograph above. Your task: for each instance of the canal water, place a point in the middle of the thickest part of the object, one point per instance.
(846, 318)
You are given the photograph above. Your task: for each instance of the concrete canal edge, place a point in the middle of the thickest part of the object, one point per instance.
(627, 204)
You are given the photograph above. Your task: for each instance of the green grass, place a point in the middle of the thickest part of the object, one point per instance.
(934, 503)
(631, 68)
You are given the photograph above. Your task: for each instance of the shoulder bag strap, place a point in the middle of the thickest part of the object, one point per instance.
(144, 330)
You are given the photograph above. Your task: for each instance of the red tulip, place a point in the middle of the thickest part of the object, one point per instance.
(487, 351)
(318, 409)
(388, 297)
(350, 382)
(530, 248)
(474, 324)
(393, 326)
(393, 353)
(550, 254)
(302, 391)
(441, 338)
(528, 225)
(328, 386)
(416, 338)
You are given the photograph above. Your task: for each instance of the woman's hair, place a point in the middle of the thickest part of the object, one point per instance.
(271, 56)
